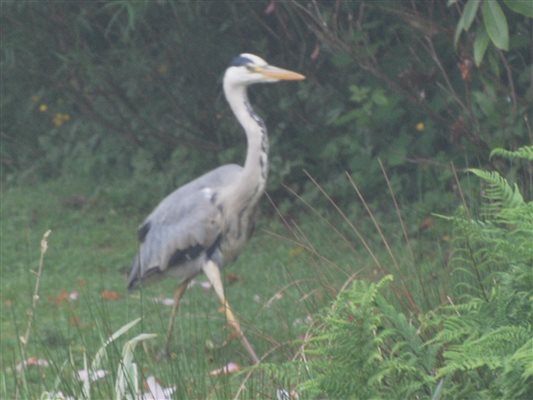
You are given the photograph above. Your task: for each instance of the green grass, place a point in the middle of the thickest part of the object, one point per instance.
(89, 251)
(279, 280)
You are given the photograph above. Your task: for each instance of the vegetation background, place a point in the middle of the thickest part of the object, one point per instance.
(107, 106)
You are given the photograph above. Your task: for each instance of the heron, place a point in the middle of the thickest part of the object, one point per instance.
(204, 225)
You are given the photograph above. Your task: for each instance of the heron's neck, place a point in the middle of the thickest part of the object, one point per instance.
(253, 178)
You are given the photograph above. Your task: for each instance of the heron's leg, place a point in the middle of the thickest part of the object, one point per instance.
(213, 274)
(180, 291)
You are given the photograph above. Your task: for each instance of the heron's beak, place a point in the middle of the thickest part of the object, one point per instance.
(279, 73)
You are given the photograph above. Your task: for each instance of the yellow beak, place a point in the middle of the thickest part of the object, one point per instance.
(279, 73)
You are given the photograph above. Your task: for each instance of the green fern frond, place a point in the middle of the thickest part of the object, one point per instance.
(525, 152)
(366, 348)
(499, 191)
(493, 350)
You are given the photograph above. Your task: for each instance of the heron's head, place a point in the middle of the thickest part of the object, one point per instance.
(247, 69)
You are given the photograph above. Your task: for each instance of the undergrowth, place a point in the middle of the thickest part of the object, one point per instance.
(476, 345)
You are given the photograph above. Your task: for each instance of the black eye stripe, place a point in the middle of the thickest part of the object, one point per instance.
(240, 61)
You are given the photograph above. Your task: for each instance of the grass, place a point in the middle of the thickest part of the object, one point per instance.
(280, 280)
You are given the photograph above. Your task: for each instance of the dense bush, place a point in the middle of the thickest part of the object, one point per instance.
(132, 89)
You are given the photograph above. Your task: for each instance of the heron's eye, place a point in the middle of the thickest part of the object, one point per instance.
(251, 68)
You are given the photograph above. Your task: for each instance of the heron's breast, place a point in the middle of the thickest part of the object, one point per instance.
(237, 230)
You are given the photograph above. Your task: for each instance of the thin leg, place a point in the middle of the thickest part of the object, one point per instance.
(213, 274)
(180, 291)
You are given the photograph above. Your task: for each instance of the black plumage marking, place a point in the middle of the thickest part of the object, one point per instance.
(239, 61)
(133, 283)
(182, 255)
(143, 231)
(151, 272)
(214, 247)
(257, 119)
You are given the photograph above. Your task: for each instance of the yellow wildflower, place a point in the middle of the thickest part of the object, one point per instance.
(420, 126)
(43, 108)
(59, 119)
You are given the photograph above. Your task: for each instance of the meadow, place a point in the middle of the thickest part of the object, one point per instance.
(337, 303)
(285, 275)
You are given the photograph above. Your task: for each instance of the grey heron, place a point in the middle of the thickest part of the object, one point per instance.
(204, 224)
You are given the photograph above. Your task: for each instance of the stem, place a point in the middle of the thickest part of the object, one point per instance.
(44, 247)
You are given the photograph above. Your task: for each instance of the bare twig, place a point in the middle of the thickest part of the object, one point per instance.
(510, 80)
(350, 224)
(31, 313)
(404, 229)
(406, 292)
(397, 208)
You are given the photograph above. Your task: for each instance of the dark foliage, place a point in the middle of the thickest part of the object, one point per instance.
(131, 89)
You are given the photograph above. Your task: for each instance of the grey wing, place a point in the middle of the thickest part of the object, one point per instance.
(184, 229)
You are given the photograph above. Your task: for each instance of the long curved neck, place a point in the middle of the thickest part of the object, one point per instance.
(253, 178)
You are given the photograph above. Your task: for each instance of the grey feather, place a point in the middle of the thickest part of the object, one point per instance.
(186, 218)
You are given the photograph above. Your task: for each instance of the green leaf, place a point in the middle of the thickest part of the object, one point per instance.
(379, 98)
(480, 46)
(467, 17)
(396, 152)
(485, 103)
(469, 13)
(458, 30)
(525, 152)
(495, 24)
(524, 7)
(359, 93)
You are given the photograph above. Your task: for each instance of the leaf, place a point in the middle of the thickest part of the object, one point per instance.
(524, 152)
(524, 7)
(127, 373)
(102, 351)
(359, 93)
(66, 296)
(495, 24)
(110, 295)
(480, 46)
(61, 297)
(32, 362)
(467, 17)
(485, 102)
(469, 13)
(396, 152)
(378, 98)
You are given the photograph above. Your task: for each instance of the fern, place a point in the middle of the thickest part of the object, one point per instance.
(477, 346)
(365, 348)
(485, 337)
(499, 192)
(525, 152)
